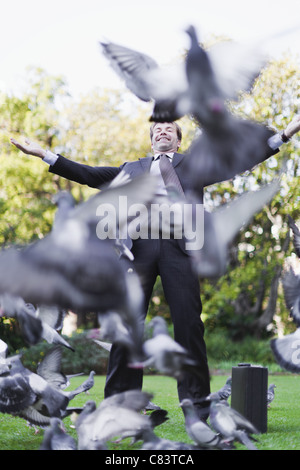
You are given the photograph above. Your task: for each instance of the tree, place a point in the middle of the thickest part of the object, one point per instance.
(26, 190)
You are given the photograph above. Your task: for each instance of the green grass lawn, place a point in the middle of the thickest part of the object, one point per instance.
(283, 416)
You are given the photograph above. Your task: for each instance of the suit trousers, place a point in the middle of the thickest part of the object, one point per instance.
(165, 258)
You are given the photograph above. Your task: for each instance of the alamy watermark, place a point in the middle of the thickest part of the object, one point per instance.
(157, 220)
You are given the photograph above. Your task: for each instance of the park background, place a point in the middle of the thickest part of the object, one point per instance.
(57, 89)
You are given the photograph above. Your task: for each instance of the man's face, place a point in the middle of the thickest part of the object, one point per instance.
(165, 138)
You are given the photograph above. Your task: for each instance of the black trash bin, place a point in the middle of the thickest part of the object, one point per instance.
(249, 393)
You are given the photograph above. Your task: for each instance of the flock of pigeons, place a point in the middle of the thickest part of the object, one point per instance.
(72, 269)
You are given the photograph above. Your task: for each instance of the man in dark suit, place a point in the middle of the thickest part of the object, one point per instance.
(155, 257)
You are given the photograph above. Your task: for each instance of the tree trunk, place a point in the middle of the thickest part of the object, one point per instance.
(267, 316)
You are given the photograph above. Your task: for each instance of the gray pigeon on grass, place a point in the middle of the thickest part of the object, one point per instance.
(271, 394)
(55, 437)
(199, 431)
(230, 424)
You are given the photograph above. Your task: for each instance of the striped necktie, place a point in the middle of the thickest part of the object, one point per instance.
(169, 174)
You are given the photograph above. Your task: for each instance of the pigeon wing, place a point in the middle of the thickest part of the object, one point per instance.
(131, 66)
(296, 233)
(286, 351)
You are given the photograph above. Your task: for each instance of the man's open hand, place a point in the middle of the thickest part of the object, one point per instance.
(30, 148)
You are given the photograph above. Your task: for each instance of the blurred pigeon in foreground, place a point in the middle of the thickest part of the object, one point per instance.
(225, 392)
(52, 315)
(227, 145)
(147, 80)
(3, 353)
(223, 224)
(115, 330)
(296, 235)
(55, 438)
(3, 349)
(51, 318)
(271, 394)
(286, 351)
(206, 95)
(156, 418)
(165, 354)
(15, 307)
(116, 416)
(291, 289)
(171, 86)
(16, 392)
(104, 344)
(71, 267)
(199, 431)
(33, 325)
(231, 424)
(74, 269)
(131, 399)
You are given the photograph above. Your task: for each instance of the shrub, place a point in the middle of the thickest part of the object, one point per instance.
(87, 355)
(221, 348)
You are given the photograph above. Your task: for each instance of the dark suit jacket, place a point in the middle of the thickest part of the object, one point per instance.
(99, 176)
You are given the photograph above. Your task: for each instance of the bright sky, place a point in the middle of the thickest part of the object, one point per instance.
(62, 36)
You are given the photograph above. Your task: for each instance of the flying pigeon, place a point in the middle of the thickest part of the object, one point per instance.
(291, 289)
(30, 396)
(5, 360)
(65, 203)
(3, 353)
(52, 315)
(296, 235)
(271, 394)
(171, 87)
(71, 267)
(225, 392)
(286, 351)
(50, 369)
(231, 424)
(34, 325)
(198, 430)
(227, 144)
(147, 80)
(16, 392)
(116, 416)
(55, 438)
(114, 330)
(165, 354)
(14, 307)
(222, 225)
